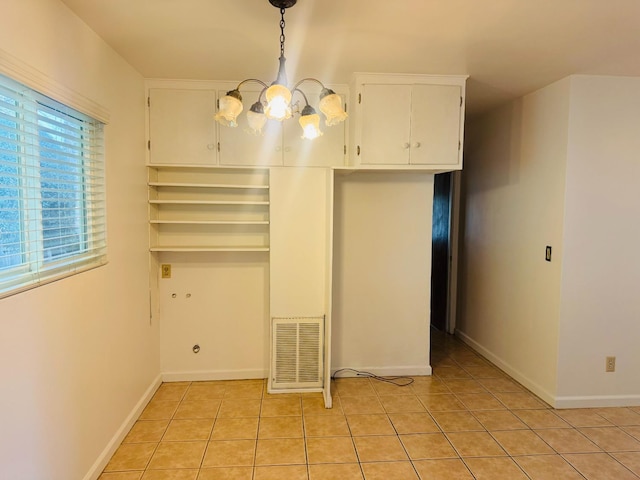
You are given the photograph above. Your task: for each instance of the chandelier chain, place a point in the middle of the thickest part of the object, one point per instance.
(282, 38)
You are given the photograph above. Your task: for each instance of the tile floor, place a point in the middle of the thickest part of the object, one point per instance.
(468, 421)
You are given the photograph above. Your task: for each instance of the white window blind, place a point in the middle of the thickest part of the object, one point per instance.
(52, 194)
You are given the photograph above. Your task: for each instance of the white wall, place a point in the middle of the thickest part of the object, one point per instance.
(509, 299)
(77, 355)
(382, 272)
(600, 311)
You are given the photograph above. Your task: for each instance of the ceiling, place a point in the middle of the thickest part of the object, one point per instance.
(507, 47)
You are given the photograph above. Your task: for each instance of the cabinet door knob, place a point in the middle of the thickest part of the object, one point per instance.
(416, 145)
(278, 149)
(287, 149)
(211, 146)
(406, 145)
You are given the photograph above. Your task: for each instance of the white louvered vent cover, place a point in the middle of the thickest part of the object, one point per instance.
(297, 352)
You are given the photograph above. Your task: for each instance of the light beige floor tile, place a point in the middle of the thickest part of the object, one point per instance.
(480, 401)
(583, 417)
(541, 419)
(230, 453)
(599, 466)
(401, 403)
(171, 391)
(330, 450)
(515, 401)
(427, 446)
(178, 455)
(288, 472)
(387, 388)
(205, 392)
(413, 423)
(360, 425)
(226, 473)
(240, 407)
(326, 426)
(251, 390)
(457, 421)
(441, 402)
(483, 371)
(611, 439)
(279, 407)
(547, 467)
(389, 471)
(465, 360)
(631, 460)
(522, 442)
(633, 431)
(315, 406)
(450, 372)
(191, 429)
(280, 451)
(379, 449)
(501, 385)
(146, 431)
(565, 440)
(620, 416)
(458, 385)
(121, 476)
(442, 469)
(475, 444)
(131, 456)
(182, 474)
(159, 410)
(354, 387)
(498, 468)
(361, 405)
(494, 420)
(345, 471)
(198, 409)
(282, 427)
(429, 385)
(238, 428)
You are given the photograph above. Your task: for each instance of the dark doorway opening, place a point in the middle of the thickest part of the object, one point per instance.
(440, 250)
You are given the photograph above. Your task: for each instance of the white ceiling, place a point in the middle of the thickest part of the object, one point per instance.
(508, 47)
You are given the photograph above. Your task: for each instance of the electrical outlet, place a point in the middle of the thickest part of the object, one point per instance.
(166, 270)
(611, 364)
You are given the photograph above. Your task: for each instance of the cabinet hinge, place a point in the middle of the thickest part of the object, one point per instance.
(345, 106)
(218, 146)
(218, 103)
(358, 150)
(460, 101)
(359, 98)
(345, 149)
(459, 145)
(148, 101)
(149, 145)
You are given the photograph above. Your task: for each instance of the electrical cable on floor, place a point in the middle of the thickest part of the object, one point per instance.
(398, 381)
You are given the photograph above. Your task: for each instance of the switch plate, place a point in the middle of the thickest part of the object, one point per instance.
(547, 254)
(611, 364)
(166, 270)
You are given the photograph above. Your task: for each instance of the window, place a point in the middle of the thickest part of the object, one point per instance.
(52, 196)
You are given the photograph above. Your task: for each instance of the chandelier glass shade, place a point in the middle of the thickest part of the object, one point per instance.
(275, 100)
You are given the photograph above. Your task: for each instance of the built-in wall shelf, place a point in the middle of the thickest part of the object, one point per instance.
(204, 209)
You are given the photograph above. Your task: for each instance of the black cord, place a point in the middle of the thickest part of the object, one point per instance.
(398, 381)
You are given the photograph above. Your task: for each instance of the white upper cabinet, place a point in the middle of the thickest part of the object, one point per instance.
(181, 126)
(408, 121)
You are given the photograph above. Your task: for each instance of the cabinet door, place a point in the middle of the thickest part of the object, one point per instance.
(327, 150)
(241, 146)
(181, 126)
(435, 124)
(386, 124)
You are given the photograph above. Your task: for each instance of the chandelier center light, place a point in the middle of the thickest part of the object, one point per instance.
(275, 99)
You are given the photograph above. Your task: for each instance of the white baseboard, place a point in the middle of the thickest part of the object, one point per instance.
(405, 371)
(204, 375)
(97, 468)
(507, 368)
(598, 401)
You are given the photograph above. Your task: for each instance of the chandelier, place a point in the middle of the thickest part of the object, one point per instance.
(275, 100)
